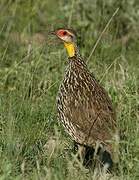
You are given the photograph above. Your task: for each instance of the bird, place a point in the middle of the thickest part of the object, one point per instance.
(83, 105)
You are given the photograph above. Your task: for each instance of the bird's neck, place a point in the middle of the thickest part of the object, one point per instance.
(73, 53)
(71, 48)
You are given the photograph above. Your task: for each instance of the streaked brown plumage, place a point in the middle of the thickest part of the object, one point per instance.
(84, 107)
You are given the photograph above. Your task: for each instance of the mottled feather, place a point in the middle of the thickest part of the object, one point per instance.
(84, 106)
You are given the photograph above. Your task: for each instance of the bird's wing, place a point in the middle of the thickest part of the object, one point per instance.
(90, 109)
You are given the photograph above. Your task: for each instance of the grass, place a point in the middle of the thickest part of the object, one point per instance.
(33, 145)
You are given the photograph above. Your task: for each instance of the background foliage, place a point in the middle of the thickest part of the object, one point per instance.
(32, 144)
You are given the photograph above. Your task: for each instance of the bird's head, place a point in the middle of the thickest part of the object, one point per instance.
(68, 37)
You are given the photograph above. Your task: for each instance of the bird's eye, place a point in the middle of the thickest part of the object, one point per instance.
(65, 33)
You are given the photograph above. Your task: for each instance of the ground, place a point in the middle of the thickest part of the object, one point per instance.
(33, 145)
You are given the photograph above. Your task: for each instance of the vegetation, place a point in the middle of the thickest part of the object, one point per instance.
(33, 145)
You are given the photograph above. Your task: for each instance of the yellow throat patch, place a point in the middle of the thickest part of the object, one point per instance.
(70, 48)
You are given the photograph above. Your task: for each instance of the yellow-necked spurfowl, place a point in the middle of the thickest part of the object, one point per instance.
(84, 107)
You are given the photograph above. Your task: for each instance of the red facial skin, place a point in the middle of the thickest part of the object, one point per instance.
(61, 33)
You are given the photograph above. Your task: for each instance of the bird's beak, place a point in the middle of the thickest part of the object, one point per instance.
(52, 33)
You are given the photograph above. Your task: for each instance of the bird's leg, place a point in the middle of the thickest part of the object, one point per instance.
(81, 153)
(96, 152)
(80, 149)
